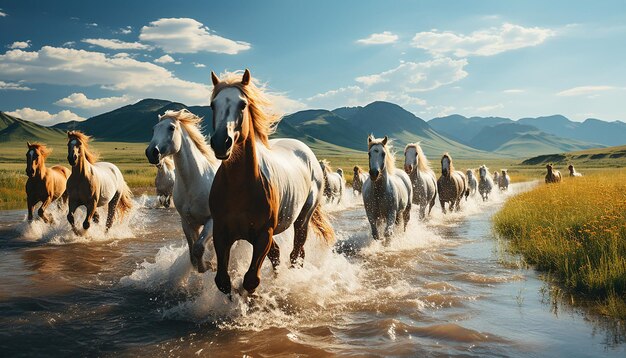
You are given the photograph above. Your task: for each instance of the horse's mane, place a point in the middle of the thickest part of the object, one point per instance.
(191, 123)
(450, 158)
(390, 157)
(168, 162)
(357, 169)
(422, 162)
(326, 166)
(84, 140)
(264, 123)
(40, 148)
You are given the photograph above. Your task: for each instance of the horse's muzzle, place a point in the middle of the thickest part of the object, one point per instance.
(408, 169)
(30, 173)
(72, 159)
(153, 154)
(374, 174)
(222, 150)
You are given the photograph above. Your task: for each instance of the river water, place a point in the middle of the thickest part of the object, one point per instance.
(444, 288)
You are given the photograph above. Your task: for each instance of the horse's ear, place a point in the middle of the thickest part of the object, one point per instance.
(214, 78)
(245, 80)
(370, 138)
(28, 144)
(385, 140)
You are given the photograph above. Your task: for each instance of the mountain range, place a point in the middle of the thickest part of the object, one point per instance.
(346, 129)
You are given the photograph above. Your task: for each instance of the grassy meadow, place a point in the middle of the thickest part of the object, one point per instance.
(575, 231)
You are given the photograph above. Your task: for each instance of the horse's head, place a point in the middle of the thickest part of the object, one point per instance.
(549, 168)
(504, 172)
(446, 165)
(482, 171)
(571, 168)
(35, 157)
(356, 170)
(410, 158)
(167, 139)
(469, 173)
(77, 148)
(377, 152)
(325, 165)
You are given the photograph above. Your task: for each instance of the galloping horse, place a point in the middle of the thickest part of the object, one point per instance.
(178, 134)
(573, 172)
(94, 184)
(43, 184)
(472, 183)
(505, 180)
(552, 176)
(333, 182)
(263, 186)
(485, 182)
(387, 193)
(422, 177)
(164, 181)
(452, 185)
(359, 177)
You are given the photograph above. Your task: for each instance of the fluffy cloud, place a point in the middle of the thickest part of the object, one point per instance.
(45, 118)
(356, 96)
(125, 30)
(198, 65)
(8, 86)
(584, 90)
(3, 14)
(486, 42)
(20, 44)
(379, 39)
(115, 44)
(80, 100)
(184, 35)
(167, 59)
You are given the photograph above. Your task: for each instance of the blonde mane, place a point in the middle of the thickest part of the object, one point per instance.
(326, 166)
(263, 123)
(191, 123)
(84, 140)
(390, 154)
(450, 158)
(357, 169)
(41, 149)
(168, 162)
(422, 162)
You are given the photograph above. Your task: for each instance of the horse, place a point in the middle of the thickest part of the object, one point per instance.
(44, 184)
(333, 183)
(359, 177)
(178, 134)
(94, 184)
(496, 177)
(472, 183)
(164, 181)
(423, 179)
(263, 186)
(387, 193)
(552, 176)
(573, 172)
(485, 182)
(451, 185)
(505, 180)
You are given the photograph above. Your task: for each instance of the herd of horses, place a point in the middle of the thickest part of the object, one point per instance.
(244, 186)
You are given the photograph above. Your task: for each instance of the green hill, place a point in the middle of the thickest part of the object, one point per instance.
(16, 129)
(596, 157)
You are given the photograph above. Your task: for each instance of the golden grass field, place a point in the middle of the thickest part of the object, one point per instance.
(576, 231)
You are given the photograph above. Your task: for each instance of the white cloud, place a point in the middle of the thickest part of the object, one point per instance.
(69, 44)
(125, 30)
(356, 96)
(20, 44)
(198, 65)
(115, 44)
(93, 24)
(45, 118)
(80, 100)
(185, 35)
(167, 59)
(584, 90)
(3, 14)
(486, 109)
(383, 38)
(514, 91)
(486, 42)
(8, 86)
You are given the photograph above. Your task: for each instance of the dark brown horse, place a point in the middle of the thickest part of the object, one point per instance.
(452, 185)
(552, 176)
(44, 184)
(263, 186)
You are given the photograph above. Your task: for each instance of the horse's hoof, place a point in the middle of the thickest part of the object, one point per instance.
(86, 225)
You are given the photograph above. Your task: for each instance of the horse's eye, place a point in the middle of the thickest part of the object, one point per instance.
(242, 105)
(172, 128)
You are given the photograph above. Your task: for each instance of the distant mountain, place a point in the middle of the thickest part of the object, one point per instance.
(346, 112)
(597, 157)
(463, 129)
(591, 130)
(16, 129)
(327, 126)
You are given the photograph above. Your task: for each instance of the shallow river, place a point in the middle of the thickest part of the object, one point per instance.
(441, 289)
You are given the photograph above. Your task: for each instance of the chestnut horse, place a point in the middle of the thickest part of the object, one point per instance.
(44, 185)
(94, 184)
(263, 186)
(552, 176)
(359, 177)
(452, 185)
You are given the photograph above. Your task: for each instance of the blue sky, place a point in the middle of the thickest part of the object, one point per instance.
(75, 59)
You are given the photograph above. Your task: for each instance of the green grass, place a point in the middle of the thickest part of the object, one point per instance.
(576, 231)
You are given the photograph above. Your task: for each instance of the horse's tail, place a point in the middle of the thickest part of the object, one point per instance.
(125, 202)
(321, 225)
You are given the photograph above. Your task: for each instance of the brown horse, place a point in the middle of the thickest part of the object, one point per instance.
(552, 176)
(94, 184)
(263, 186)
(358, 179)
(452, 185)
(44, 184)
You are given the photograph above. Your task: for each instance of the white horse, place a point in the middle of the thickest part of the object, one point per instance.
(505, 180)
(472, 183)
(496, 177)
(388, 192)
(573, 172)
(485, 183)
(422, 177)
(164, 181)
(333, 183)
(178, 134)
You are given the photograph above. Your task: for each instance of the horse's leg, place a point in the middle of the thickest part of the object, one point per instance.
(31, 204)
(42, 210)
(96, 216)
(274, 255)
(191, 234)
(423, 210)
(407, 216)
(200, 246)
(300, 228)
(443, 205)
(390, 222)
(222, 245)
(261, 246)
(91, 209)
(168, 200)
(111, 210)
(73, 204)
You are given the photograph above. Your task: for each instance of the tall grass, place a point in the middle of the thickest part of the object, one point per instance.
(576, 230)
